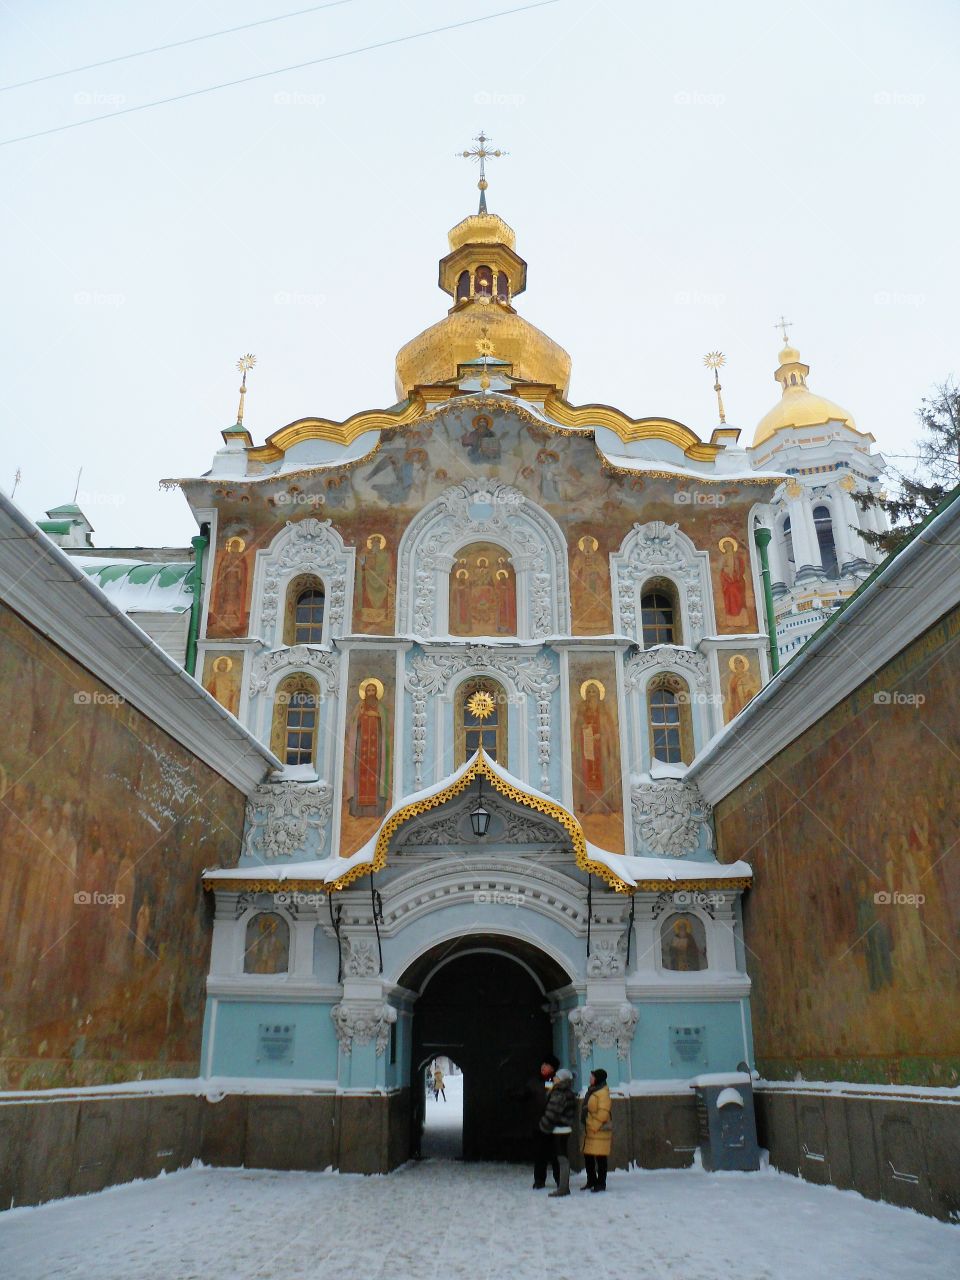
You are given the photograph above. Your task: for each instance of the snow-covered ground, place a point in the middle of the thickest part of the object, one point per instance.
(479, 1222)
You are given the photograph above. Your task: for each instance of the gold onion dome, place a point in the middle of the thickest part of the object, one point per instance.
(482, 273)
(798, 406)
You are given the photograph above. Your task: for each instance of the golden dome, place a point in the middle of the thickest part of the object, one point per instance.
(799, 406)
(436, 354)
(483, 273)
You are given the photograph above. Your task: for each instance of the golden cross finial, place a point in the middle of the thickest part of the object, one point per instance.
(713, 360)
(244, 365)
(480, 155)
(783, 325)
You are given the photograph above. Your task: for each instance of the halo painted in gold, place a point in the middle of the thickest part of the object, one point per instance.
(598, 684)
(236, 545)
(588, 538)
(738, 663)
(730, 544)
(377, 684)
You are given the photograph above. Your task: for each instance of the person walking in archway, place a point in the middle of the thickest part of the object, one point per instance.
(595, 1117)
(438, 1083)
(559, 1117)
(536, 1094)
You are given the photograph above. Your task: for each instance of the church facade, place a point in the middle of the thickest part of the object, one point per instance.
(485, 632)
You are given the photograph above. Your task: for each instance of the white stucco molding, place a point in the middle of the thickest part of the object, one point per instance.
(303, 546)
(661, 550)
(478, 511)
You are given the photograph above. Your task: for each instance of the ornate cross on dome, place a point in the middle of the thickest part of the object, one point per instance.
(783, 325)
(479, 155)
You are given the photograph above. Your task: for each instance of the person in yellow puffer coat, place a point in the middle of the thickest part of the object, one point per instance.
(595, 1117)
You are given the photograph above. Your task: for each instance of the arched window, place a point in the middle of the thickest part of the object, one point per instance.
(483, 584)
(266, 945)
(503, 287)
(483, 282)
(296, 715)
(487, 731)
(463, 286)
(823, 523)
(303, 610)
(659, 614)
(668, 714)
(683, 943)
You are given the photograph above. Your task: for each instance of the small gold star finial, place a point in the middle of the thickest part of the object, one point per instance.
(480, 704)
(713, 360)
(783, 325)
(244, 365)
(480, 155)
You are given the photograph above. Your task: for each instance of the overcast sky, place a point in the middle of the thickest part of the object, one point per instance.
(679, 175)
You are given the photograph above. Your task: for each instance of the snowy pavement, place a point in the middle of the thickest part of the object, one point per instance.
(483, 1222)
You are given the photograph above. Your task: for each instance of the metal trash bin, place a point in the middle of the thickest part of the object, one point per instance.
(728, 1126)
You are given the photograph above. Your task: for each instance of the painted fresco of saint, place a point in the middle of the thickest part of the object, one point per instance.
(743, 685)
(733, 580)
(506, 602)
(483, 593)
(682, 952)
(480, 441)
(595, 775)
(366, 753)
(231, 592)
(375, 572)
(223, 683)
(591, 595)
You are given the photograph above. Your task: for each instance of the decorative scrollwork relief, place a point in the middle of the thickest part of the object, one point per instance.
(358, 1024)
(604, 1027)
(668, 818)
(288, 818)
(299, 657)
(667, 657)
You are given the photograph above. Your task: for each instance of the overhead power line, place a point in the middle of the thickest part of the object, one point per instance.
(265, 75)
(177, 44)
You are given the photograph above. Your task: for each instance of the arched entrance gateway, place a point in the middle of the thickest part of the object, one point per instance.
(480, 927)
(484, 1001)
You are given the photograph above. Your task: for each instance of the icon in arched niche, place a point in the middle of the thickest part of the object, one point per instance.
(683, 943)
(483, 592)
(266, 944)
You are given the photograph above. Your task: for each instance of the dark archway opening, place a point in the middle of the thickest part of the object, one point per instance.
(483, 1004)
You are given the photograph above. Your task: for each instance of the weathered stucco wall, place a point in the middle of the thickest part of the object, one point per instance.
(853, 924)
(105, 825)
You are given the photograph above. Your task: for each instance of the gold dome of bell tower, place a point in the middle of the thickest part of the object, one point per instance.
(483, 273)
